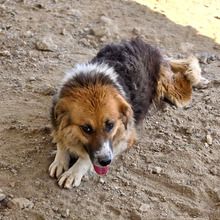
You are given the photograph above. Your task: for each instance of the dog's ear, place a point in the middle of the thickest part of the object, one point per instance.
(125, 111)
(61, 114)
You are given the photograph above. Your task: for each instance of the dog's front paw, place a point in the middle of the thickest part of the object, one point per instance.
(57, 168)
(70, 179)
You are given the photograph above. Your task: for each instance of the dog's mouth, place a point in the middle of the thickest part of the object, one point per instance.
(100, 170)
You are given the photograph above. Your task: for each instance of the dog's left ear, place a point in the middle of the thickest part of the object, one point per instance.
(125, 111)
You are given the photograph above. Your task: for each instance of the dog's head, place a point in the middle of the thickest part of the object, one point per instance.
(90, 118)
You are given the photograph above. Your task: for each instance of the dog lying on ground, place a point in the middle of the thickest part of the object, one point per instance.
(99, 104)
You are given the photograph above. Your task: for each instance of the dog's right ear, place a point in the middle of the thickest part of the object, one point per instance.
(61, 114)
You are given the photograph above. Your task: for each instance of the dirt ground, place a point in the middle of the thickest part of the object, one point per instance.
(173, 170)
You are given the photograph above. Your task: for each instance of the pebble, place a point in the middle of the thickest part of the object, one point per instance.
(12, 184)
(106, 20)
(157, 170)
(209, 139)
(46, 44)
(5, 53)
(48, 90)
(136, 31)
(20, 203)
(101, 180)
(84, 41)
(144, 207)
(2, 196)
(32, 78)
(100, 31)
(64, 212)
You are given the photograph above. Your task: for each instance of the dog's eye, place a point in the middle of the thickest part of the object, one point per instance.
(109, 125)
(87, 129)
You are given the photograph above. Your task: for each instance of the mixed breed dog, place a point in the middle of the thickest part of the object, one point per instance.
(100, 103)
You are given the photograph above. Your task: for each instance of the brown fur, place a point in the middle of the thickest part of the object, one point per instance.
(90, 106)
(176, 80)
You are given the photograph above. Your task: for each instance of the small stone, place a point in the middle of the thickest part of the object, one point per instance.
(106, 20)
(32, 78)
(103, 39)
(12, 184)
(100, 31)
(63, 32)
(46, 44)
(157, 170)
(29, 34)
(15, 172)
(48, 90)
(136, 31)
(64, 212)
(203, 60)
(154, 199)
(20, 203)
(214, 171)
(5, 53)
(144, 207)
(84, 41)
(102, 181)
(209, 139)
(2, 196)
(94, 44)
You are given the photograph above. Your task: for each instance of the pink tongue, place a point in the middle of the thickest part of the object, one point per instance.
(101, 170)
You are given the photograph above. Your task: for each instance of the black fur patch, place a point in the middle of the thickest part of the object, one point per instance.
(85, 81)
(137, 64)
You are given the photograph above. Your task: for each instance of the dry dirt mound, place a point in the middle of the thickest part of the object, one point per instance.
(173, 170)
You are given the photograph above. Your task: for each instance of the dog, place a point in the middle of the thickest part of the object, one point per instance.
(100, 103)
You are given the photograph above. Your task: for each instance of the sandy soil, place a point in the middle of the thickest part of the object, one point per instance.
(173, 170)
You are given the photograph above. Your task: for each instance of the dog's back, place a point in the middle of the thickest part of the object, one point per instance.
(137, 64)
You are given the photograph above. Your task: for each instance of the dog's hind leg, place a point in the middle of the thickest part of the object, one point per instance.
(176, 80)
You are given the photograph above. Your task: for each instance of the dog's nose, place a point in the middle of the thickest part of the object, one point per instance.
(104, 162)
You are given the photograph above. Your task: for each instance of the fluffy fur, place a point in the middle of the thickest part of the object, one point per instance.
(99, 104)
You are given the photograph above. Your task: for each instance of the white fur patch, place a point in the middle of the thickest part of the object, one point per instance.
(104, 152)
(95, 68)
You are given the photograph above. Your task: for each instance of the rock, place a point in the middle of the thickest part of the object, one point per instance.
(101, 31)
(2, 196)
(63, 32)
(32, 78)
(84, 41)
(103, 39)
(29, 34)
(101, 180)
(144, 207)
(46, 44)
(12, 184)
(64, 212)
(209, 139)
(20, 203)
(157, 170)
(48, 90)
(203, 59)
(136, 31)
(106, 20)
(5, 53)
